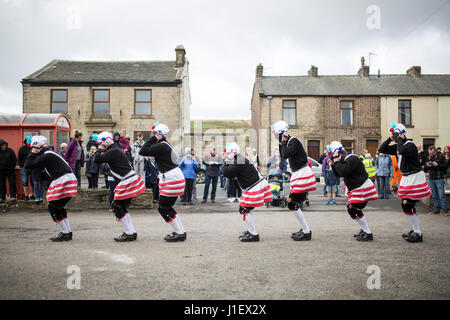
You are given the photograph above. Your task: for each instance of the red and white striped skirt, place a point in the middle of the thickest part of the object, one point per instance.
(63, 187)
(257, 195)
(366, 192)
(303, 181)
(171, 183)
(414, 186)
(129, 188)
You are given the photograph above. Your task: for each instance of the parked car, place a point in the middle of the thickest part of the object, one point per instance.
(201, 174)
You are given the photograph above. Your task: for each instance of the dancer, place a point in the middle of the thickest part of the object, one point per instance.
(62, 188)
(129, 185)
(360, 188)
(256, 189)
(413, 184)
(302, 178)
(171, 179)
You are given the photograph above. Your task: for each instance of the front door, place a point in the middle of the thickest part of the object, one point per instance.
(314, 149)
(372, 147)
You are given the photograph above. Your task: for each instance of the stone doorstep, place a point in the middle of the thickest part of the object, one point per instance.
(85, 200)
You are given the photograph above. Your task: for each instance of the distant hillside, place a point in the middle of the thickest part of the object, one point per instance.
(222, 124)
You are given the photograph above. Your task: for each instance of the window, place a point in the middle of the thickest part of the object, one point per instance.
(101, 101)
(348, 146)
(427, 142)
(404, 112)
(58, 101)
(346, 112)
(142, 101)
(290, 112)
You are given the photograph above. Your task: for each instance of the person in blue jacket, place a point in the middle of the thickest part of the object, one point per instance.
(188, 164)
(151, 177)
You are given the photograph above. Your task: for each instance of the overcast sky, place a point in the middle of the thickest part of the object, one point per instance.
(224, 40)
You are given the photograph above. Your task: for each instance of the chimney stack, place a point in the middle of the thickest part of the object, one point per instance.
(414, 71)
(180, 56)
(312, 72)
(364, 70)
(259, 70)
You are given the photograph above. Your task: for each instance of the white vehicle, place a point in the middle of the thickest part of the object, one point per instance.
(316, 168)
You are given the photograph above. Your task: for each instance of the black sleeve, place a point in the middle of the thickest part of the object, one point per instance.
(293, 147)
(34, 161)
(103, 156)
(387, 149)
(229, 170)
(13, 160)
(150, 147)
(442, 163)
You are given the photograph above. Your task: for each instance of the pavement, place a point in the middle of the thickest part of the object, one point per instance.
(214, 264)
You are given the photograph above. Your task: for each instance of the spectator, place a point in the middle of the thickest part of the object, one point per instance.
(447, 160)
(188, 165)
(369, 165)
(138, 160)
(436, 167)
(104, 170)
(252, 156)
(151, 177)
(124, 142)
(92, 168)
(323, 156)
(63, 149)
(234, 191)
(223, 179)
(276, 165)
(331, 182)
(23, 153)
(116, 137)
(90, 143)
(439, 149)
(8, 162)
(212, 161)
(385, 170)
(324, 168)
(75, 155)
(194, 186)
(422, 155)
(39, 183)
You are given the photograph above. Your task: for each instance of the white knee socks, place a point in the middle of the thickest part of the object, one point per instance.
(414, 219)
(301, 218)
(63, 226)
(127, 224)
(363, 223)
(176, 225)
(250, 223)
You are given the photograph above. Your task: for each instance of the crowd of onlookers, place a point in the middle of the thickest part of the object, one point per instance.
(380, 169)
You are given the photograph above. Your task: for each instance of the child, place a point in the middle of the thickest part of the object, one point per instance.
(92, 169)
(330, 179)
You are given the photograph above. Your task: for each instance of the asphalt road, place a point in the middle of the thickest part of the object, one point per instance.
(214, 264)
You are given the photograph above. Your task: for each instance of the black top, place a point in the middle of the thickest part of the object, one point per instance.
(435, 172)
(115, 157)
(406, 152)
(52, 163)
(243, 170)
(294, 151)
(352, 170)
(162, 151)
(7, 158)
(22, 155)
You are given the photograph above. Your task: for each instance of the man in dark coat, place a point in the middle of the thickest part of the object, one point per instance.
(8, 162)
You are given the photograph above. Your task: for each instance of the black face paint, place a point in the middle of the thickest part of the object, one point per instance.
(395, 135)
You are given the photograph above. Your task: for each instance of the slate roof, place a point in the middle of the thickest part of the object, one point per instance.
(355, 85)
(65, 71)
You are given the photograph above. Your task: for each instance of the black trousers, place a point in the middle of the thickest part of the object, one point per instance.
(155, 190)
(12, 184)
(93, 181)
(189, 184)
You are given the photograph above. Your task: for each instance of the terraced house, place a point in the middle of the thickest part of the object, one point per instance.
(114, 95)
(354, 109)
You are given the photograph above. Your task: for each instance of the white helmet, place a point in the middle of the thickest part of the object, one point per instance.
(334, 146)
(105, 139)
(38, 141)
(398, 127)
(160, 128)
(232, 147)
(279, 127)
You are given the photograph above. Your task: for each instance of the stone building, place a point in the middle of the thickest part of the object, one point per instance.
(114, 95)
(353, 109)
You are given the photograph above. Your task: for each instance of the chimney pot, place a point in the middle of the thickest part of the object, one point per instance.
(313, 72)
(180, 53)
(259, 70)
(414, 71)
(364, 70)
